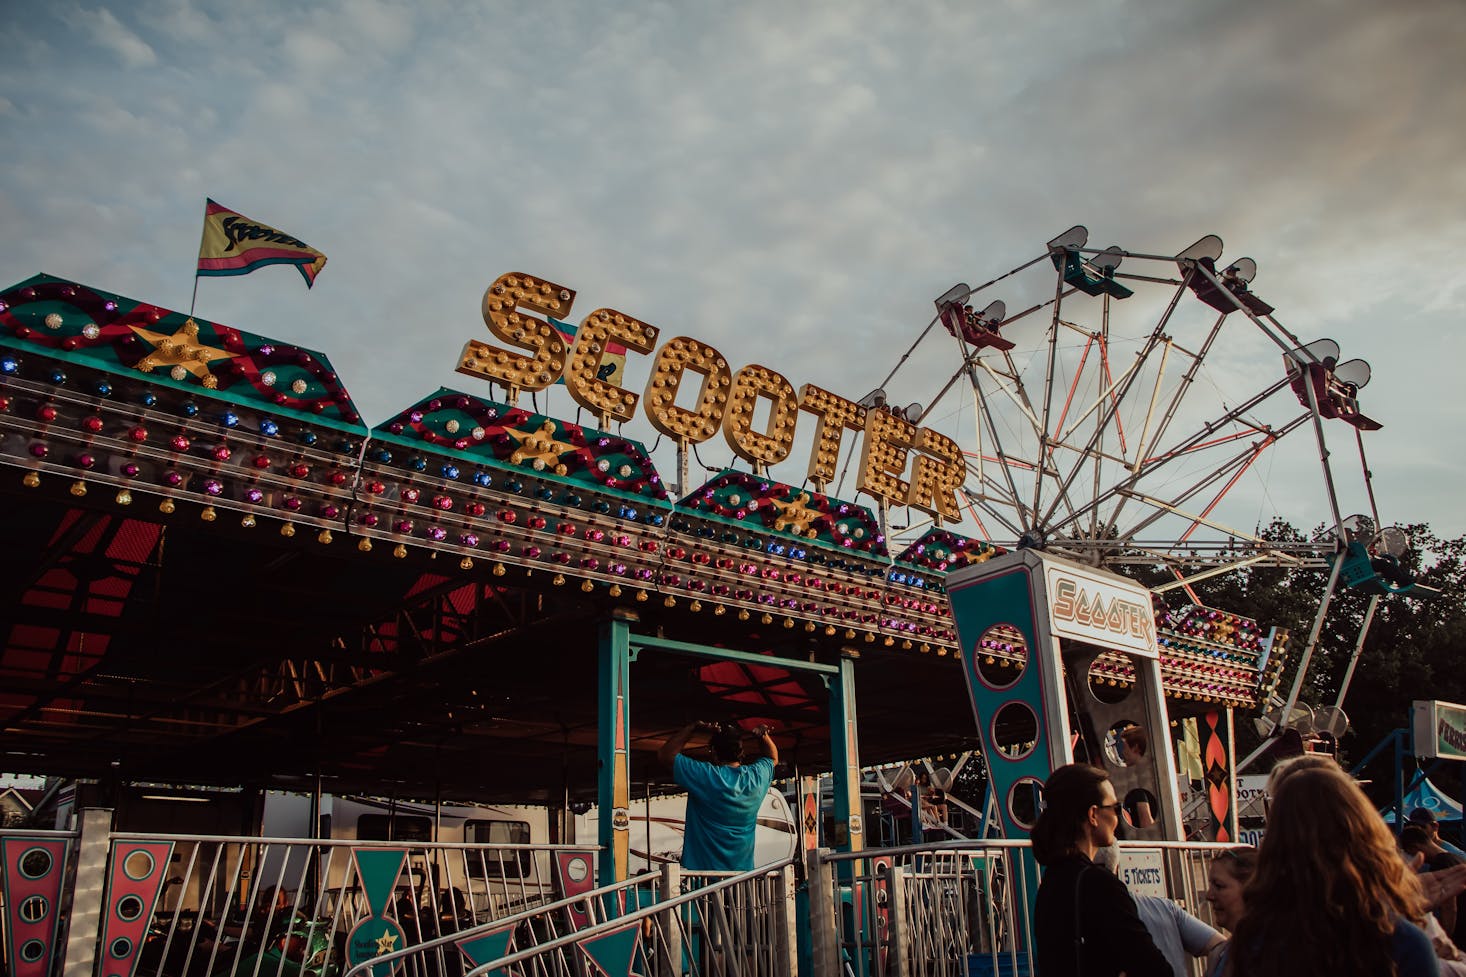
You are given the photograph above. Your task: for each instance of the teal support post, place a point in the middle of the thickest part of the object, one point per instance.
(613, 782)
(845, 761)
(849, 819)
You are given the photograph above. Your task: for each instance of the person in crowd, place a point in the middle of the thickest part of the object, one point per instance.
(1330, 894)
(1415, 840)
(1134, 746)
(933, 802)
(1452, 961)
(1176, 932)
(723, 796)
(1226, 879)
(1425, 818)
(1085, 921)
(1291, 765)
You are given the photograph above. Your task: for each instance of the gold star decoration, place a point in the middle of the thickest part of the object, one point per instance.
(538, 446)
(793, 513)
(967, 557)
(182, 349)
(387, 942)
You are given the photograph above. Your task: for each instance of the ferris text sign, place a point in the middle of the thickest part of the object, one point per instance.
(1440, 729)
(726, 400)
(1099, 609)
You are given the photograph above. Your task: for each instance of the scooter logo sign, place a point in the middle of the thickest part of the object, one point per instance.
(1106, 612)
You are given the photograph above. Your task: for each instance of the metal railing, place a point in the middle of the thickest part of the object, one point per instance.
(225, 906)
(664, 923)
(282, 907)
(951, 908)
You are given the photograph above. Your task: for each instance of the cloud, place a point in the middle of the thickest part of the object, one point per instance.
(108, 32)
(793, 184)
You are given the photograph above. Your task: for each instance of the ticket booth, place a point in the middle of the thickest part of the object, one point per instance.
(1062, 664)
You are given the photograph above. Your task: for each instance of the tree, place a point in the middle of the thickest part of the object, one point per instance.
(1412, 650)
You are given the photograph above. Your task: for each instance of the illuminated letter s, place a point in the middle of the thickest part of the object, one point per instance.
(501, 303)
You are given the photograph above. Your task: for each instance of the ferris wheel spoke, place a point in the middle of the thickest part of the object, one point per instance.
(1183, 388)
(1182, 449)
(1239, 461)
(1108, 411)
(995, 512)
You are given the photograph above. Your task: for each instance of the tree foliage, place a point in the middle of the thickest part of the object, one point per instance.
(1413, 649)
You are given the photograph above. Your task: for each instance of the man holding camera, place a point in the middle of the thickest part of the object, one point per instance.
(723, 795)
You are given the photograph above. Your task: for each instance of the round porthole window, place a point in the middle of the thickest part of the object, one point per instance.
(1001, 656)
(36, 863)
(138, 865)
(1015, 730)
(1025, 800)
(129, 908)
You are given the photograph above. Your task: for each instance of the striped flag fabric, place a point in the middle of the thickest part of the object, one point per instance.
(235, 245)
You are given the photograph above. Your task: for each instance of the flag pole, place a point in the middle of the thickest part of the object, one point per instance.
(203, 233)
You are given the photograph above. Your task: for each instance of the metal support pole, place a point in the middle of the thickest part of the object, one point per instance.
(1323, 609)
(614, 727)
(786, 923)
(85, 924)
(849, 823)
(823, 915)
(845, 761)
(1358, 648)
(1400, 782)
(898, 954)
(914, 795)
(671, 884)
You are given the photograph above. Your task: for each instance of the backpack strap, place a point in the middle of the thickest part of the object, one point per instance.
(1079, 922)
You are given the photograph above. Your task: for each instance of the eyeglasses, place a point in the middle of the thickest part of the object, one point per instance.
(1116, 807)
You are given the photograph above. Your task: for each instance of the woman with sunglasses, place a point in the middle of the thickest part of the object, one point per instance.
(1085, 921)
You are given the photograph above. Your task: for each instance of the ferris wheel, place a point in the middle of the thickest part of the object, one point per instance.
(1111, 402)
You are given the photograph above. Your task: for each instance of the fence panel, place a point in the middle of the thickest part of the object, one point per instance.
(37, 877)
(954, 909)
(224, 906)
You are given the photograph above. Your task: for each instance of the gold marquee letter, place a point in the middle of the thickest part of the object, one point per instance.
(673, 359)
(501, 303)
(883, 456)
(761, 448)
(582, 373)
(936, 476)
(835, 414)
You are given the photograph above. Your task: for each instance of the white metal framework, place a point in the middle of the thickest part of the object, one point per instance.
(1111, 416)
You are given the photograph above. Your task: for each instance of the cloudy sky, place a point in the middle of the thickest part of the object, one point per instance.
(793, 183)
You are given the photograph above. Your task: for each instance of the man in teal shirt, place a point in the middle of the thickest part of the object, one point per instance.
(723, 797)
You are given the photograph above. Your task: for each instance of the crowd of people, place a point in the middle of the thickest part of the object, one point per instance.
(1328, 891)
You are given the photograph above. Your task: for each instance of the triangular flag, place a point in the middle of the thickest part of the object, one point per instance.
(491, 946)
(613, 952)
(378, 869)
(235, 245)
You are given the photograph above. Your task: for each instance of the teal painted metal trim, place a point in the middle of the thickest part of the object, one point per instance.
(613, 783)
(728, 654)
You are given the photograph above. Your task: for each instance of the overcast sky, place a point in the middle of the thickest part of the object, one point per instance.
(793, 183)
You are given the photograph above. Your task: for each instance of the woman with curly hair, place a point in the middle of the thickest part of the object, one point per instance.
(1330, 894)
(1085, 921)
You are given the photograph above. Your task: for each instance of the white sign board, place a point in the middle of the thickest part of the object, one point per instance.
(1143, 870)
(1440, 729)
(1100, 609)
